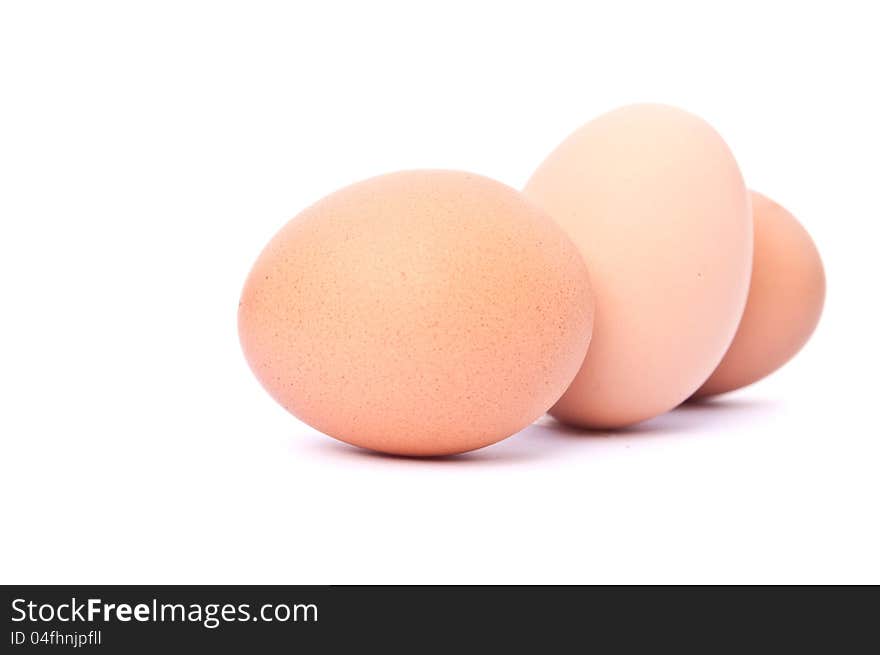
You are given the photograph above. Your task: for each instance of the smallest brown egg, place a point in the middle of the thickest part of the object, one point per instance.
(785, 301)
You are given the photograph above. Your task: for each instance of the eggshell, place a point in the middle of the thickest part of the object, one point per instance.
(785, 300)
(418, 313)
(655, 201)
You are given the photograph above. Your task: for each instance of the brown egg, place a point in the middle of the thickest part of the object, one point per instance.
(785, 300)
(654, 200)
(418, 313)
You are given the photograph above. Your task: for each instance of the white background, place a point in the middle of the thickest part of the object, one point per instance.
(149, 150)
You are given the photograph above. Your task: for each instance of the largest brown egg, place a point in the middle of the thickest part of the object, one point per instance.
(418, 313)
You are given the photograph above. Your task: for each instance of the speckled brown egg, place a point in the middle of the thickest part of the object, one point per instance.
(418, 313)
(785, 302)
(656, 203)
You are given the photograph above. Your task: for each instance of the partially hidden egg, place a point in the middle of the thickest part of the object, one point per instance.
(785, 300)
(655, 201)
(418, 313)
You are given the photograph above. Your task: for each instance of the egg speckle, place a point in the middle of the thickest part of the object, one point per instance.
(418, 313)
